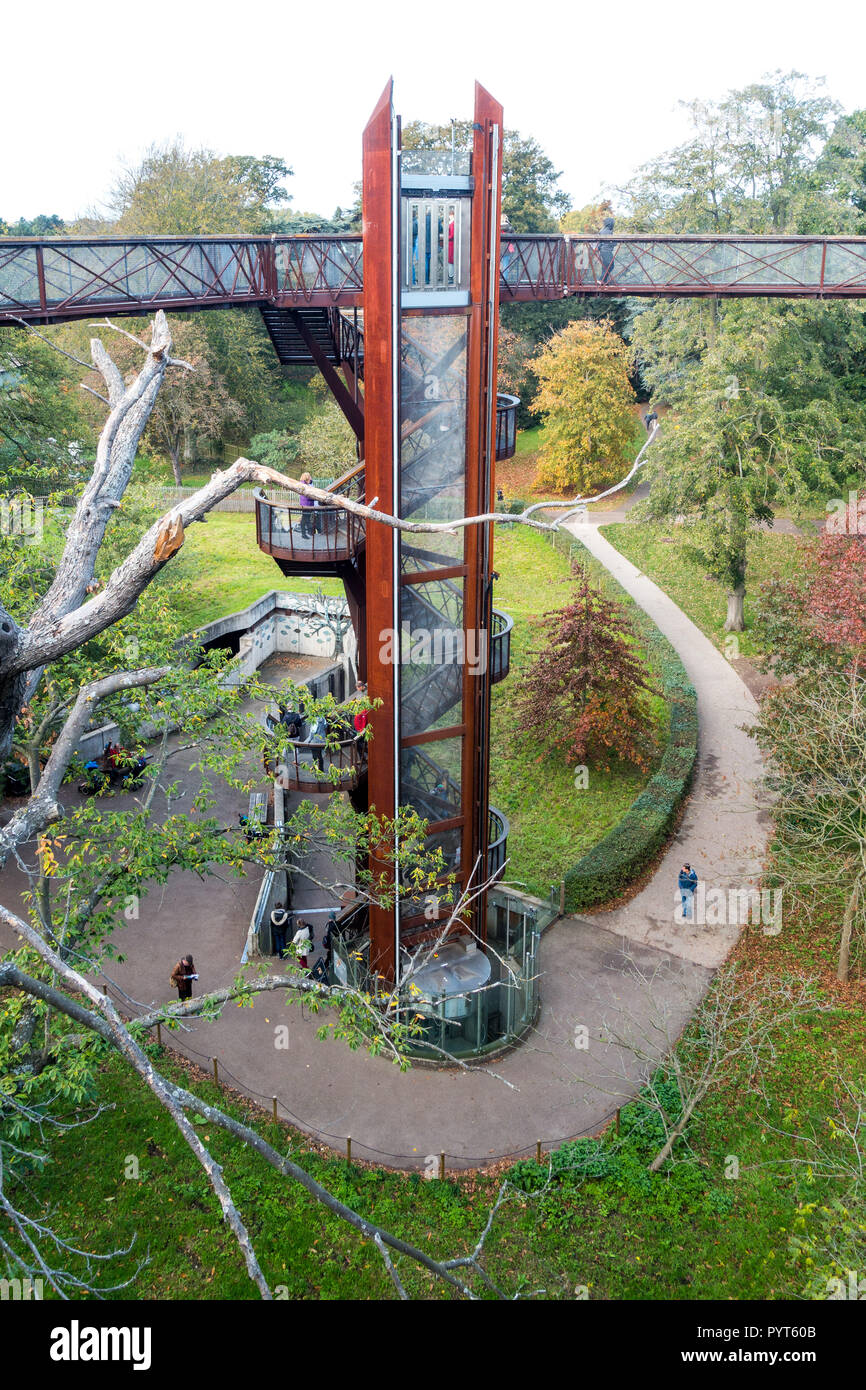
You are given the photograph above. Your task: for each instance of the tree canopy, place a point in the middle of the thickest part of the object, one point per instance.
(586, 401)
(176, 191)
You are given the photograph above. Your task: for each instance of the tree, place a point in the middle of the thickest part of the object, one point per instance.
(176, 191)
(43, 428)
(586, 401)
(531, 197)
(748, 166)
(42, 225)
(841, 172)
(814, 736)
(196, 403)
(587, 689)
(765, 411)
(589, 218)
(326, 443)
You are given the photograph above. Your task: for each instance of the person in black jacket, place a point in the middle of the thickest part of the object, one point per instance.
(281, 924)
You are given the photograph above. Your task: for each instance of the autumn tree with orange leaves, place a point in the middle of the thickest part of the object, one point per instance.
(586, 400)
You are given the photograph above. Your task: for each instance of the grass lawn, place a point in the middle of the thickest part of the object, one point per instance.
(230, 570)
(686, 1233)
(552, 822)
(658, 550)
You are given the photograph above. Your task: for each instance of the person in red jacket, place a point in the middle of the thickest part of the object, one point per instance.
(360, 720)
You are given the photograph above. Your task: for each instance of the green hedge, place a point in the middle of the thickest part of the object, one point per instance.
(609, 867)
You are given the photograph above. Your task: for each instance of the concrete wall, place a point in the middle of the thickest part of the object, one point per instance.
(279, 621)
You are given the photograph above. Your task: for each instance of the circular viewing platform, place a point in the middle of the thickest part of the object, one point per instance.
(500, 645)
(314, 535)
(506, 425)
(316, 765)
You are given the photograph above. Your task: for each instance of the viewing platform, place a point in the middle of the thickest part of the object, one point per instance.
(497, 842)
(500, 645)
(317, 766)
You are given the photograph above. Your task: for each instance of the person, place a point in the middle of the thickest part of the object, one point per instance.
(253, 829)
(292, 719)
(606, 251)
(317, 736)
(650, 419)
(360, 719)
(303, 943)
(508, 261)
(281, 924)
(309, 520)
(688, 882)
(328, 938)
(182, 977)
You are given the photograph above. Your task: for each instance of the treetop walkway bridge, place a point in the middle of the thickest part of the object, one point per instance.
(58, 279)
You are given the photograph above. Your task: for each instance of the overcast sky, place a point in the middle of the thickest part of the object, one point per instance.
(88, 84)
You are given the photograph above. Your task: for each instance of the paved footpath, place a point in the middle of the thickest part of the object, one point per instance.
(607, 978)
(723, 831)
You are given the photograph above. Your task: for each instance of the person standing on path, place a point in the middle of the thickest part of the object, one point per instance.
(182, 977)
(688, 882)
(303, 944)
(281, 923)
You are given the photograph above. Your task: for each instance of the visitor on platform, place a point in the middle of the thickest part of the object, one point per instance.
(508, 258)
(688, 882)
(317, 735)
(309, 520)
(360, 720)
(328, 938)
(303, 944)
(606, 251)
(182, 977)
(293, 720)
(281, 924)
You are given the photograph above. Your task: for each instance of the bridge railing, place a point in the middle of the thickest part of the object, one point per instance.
(79, 278)
(312, 268)
(68, 278)
(732, 265)
(535, 264)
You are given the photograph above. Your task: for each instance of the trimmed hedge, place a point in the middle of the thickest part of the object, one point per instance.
(609, 867)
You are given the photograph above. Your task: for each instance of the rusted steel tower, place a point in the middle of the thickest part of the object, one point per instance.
(431, 305)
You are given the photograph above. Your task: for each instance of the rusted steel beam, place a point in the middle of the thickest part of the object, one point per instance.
(340, 391)
(379, 370)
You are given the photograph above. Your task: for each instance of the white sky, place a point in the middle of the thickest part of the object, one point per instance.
(89, 84)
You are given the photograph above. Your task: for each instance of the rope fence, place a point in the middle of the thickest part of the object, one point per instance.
(221, 1075)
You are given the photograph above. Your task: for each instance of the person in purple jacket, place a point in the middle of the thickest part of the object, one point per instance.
(309, 520)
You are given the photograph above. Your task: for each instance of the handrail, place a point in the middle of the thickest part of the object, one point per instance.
(306, 764)
(497, 840)
(307, 534)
